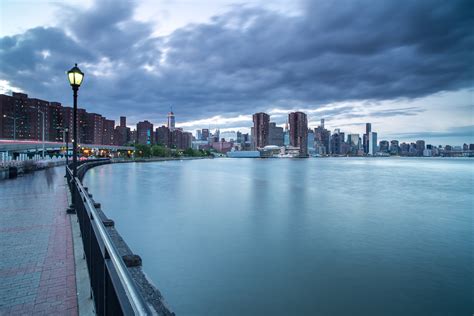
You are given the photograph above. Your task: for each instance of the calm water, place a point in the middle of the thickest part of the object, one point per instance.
(299, 237)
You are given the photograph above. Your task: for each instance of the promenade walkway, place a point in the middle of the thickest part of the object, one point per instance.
(37, 270)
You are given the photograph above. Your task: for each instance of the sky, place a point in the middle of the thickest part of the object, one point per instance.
(405, 66)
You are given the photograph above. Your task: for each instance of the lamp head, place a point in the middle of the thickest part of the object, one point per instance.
(75, 76)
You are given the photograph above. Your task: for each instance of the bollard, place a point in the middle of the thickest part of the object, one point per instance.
(12, 172)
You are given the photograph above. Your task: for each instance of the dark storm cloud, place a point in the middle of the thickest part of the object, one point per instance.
(249, 59)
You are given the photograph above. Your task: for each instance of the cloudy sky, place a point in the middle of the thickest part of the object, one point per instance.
(405, 66)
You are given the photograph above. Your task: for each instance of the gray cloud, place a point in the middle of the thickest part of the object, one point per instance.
(466, 132)
(249, 59)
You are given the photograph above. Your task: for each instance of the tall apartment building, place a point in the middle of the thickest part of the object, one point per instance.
(299, 132)
(162, 136)
(261, 129)
(145, 133)
(108, 134)
(122, 133)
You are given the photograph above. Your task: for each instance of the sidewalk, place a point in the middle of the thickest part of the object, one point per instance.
(37, 270)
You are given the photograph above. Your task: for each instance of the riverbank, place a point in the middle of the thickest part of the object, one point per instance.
(14, 168)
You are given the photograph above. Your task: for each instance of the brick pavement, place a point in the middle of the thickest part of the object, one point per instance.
(37, 270)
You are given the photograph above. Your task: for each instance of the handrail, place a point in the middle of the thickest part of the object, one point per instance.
(135, 298)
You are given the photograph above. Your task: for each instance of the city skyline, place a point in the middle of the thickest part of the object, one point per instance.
(258, 58)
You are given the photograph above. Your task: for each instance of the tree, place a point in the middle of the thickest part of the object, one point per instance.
(142, 150)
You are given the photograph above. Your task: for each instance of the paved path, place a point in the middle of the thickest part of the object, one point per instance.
(37, 273)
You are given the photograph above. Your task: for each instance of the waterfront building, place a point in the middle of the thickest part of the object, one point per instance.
(384, 146)
(372, 143)
(299, 132)
(144, 133)
(275, 135)
(420, 147)
(394, 147)
(108, 133)
(368, 129)
(337, 143)
(353, 140)
(404, 149)
(95, 128)
(55, 114)
(261, 129)
(222, 146)
(29, 120)
(310, 141)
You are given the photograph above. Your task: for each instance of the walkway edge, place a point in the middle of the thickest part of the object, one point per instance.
(84, 301)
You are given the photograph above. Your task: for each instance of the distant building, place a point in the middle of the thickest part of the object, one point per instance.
(384, 146)
(261, 129)
(394, 147)
(299, 132)
(310, 140)
(198, 134)
(372, 143)
(322, 139)
(286, 135)
(122, 133)
(123, 121)
(368, 129)
(420, 147)
(94, 129)
(275, 135)
(337, 141)
(353, 142)
(171, 121)
(205, 134)
(163, 136)
(144, 133)
(108, 133)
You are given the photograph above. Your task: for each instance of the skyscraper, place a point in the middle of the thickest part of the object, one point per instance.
(299, 132)
(261, 129)
(372, 143)
(322, 138)
(171, 120)
(368, 129)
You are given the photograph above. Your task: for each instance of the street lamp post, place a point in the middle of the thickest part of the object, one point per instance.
(75, 76)
(65, 131)
(14, 124)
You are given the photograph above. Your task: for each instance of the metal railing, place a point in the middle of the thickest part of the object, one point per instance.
(112, 287)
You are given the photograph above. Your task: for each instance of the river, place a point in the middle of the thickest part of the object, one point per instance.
(336, 236)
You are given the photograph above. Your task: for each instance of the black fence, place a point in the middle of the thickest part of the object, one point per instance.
(112, 287)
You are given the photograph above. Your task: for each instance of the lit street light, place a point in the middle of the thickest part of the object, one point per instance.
(75, 76)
